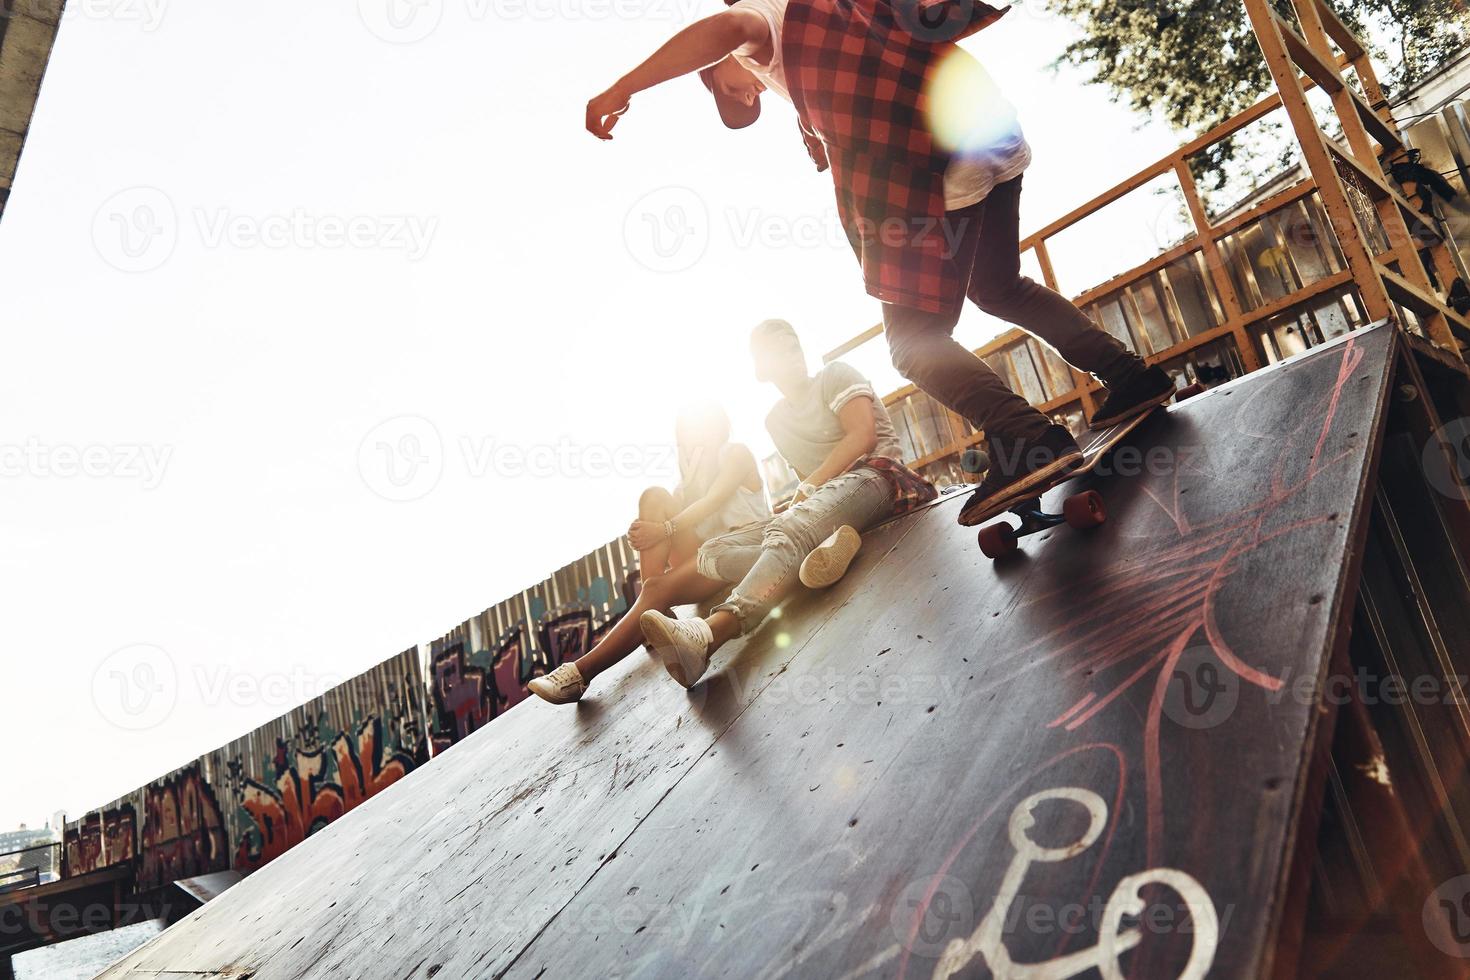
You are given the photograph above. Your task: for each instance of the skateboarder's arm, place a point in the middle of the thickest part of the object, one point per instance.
(702, 43)
(737, 465)
(859, 438)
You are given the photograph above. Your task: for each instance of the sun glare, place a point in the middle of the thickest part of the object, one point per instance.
(966, 110)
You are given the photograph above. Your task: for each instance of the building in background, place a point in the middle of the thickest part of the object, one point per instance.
(27, 33)
(29, 855)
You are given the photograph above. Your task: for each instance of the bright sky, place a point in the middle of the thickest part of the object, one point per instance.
(256, 253)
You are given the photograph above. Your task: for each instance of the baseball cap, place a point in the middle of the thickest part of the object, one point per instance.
(733, 113)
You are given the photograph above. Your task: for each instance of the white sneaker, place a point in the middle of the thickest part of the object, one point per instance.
(829, 560)
(563, 685)
(682, 644)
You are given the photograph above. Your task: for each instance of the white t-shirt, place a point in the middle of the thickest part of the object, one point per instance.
(968, 179)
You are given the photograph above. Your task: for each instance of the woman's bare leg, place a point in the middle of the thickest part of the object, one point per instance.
(679, 586)
(725, 628)
(656, 505)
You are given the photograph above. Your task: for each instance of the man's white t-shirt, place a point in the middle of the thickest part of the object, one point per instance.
(968, 180)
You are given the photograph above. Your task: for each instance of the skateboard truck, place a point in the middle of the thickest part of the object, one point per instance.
(1081, 511)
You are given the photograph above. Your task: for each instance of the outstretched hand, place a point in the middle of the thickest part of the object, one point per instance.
(604, 111)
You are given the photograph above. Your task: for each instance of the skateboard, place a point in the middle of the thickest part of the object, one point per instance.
(1080, 510)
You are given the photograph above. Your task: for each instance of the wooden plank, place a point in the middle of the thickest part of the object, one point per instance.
(1319, 159)
(1424, 303)
(459, 864)
(1200, 143)
(1341, 34)
(861, 819)
(1318, 69)
(853, 344)
(1327, 76)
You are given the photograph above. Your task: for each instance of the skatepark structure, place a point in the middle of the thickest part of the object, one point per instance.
(1246, 283)
(1224, 734)
(1146, 749)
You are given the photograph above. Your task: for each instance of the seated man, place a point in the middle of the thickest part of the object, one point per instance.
(835, 433)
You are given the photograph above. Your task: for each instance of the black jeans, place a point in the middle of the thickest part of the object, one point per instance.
(924, 349)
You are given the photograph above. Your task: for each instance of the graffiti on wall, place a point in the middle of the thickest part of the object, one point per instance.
(183, 830)
(102, 839)
(82, 843)
(481, 669)
(247, 802)
(309, 784)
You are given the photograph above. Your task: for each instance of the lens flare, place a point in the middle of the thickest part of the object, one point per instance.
(967, 114)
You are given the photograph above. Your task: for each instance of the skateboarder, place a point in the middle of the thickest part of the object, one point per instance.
(835, 433)
(927, 162)
(719, 490)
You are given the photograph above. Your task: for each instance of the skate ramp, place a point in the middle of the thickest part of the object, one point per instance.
(938, 767)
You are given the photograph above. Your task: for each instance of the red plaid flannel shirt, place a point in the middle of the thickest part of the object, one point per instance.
(856, 71)
(910, 490)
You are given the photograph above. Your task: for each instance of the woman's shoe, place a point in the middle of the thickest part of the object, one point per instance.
(564, 685)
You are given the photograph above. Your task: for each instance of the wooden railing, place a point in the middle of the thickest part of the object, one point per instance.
(11, 881)
(1254, 285)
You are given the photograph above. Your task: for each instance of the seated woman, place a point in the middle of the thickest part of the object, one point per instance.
(719, 490)
(837, 436)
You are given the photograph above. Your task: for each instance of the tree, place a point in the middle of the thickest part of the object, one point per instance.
(1196, 62)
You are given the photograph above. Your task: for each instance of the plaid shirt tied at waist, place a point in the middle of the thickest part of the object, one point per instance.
(856, 70)
(910, 490)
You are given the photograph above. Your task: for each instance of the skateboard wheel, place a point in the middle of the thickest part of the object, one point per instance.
(1189, 391)
(998, 540)
(974, 461)
(1084, 510)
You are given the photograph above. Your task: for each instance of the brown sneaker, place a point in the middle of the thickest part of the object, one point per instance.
(1152, 387)
(1017, 465)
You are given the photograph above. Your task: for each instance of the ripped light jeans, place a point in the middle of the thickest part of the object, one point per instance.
(763, 560)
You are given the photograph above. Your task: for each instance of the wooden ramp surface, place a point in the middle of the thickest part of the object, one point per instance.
(935, 768)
